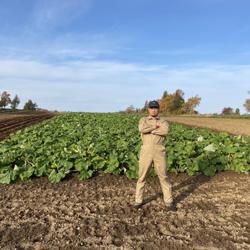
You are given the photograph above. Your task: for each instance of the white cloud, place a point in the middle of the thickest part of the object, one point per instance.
(49, 14)
(112, 86)
(62, 47)
(195, 51)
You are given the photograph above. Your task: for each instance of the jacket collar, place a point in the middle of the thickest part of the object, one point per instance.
(151, 117)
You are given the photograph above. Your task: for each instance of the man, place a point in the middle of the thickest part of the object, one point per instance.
(153, 131)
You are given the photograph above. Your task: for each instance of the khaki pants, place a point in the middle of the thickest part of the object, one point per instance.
(153, 154)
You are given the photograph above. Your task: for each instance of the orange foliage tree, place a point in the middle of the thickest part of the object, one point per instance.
(247, 104)
(176, 104)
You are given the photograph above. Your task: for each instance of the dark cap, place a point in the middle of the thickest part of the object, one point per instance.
(153, 104)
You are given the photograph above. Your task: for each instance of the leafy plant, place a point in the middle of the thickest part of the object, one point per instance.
(87, 143)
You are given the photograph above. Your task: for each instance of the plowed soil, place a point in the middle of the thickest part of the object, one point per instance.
(10, 123)
(212, 213)
(232, 126)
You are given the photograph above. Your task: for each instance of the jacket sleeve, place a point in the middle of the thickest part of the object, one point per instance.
(144, 127)
(163, 129)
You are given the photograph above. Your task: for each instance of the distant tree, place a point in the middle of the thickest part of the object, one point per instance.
(227, 111)
(247, 105)
(165, 94)
(29, 105)
(178, 101)
(15, 102)
(172, 103)
(189, 106)
(145, 107)
(165, 104)
(237, 111)
(176, 104)
(130, 109)
(4, 99)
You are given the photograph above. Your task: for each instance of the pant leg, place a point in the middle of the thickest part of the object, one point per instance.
(160, 165)
(145, 161)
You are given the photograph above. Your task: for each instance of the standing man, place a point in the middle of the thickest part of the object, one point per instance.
(153, 131)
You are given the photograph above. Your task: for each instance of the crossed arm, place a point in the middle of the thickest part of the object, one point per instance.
(145, 128)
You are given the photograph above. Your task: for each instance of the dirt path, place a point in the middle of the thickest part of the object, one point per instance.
(232, 126)
(212, 213)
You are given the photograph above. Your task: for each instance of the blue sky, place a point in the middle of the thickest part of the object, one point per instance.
(102, 56)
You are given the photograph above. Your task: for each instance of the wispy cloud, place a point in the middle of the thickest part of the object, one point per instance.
(113, 85)
(50, 54)
(48, 14)
(181, 51)
(62, 48)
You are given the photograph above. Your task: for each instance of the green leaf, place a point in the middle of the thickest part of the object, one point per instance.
(81, 165)
(84, 175)
(5, 178)
(25, 175)
(56, 177)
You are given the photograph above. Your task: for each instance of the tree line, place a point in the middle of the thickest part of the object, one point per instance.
(5, 101)
(176, 104)
(172, 104)
(231, 111)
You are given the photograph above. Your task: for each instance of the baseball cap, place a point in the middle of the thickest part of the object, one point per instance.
(153, 104)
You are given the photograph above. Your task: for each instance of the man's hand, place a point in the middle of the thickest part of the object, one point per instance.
(156, 127)
(161, 129)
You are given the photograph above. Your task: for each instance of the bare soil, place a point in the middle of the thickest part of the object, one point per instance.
(212, 213)
(10, 123)
(232, 126)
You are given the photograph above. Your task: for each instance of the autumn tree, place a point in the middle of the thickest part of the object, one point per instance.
(4, 99)
(29, 105)
(15, 102)
(189, 106)
(130, 109)
(247, 104)
(175, 103)
(172, 103)
(165, 93)
(165, 104)
(227, 111)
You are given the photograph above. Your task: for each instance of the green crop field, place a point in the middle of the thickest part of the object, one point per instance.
(90, 142)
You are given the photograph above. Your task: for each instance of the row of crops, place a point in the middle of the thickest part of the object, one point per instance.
(87, 143)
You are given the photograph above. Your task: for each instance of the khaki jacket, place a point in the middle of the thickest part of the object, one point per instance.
(149, 133)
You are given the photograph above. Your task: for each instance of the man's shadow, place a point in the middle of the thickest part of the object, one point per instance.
(189, 184)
